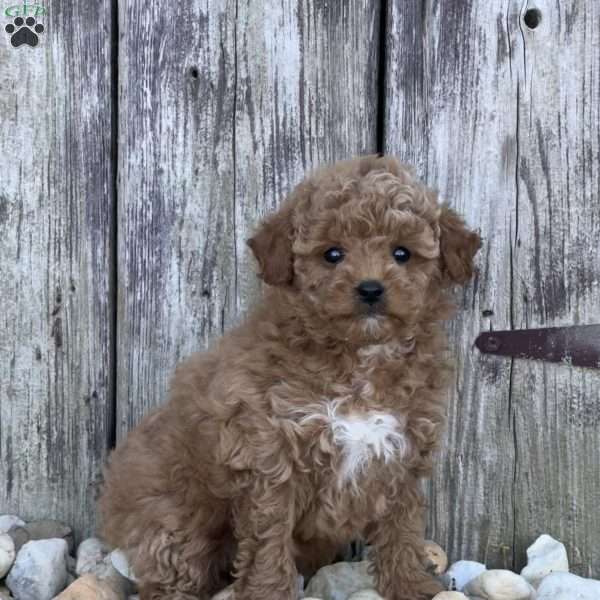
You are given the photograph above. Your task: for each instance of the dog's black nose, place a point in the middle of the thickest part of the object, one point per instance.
(370, 291)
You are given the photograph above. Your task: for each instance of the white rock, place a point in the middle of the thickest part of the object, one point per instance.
(40, 570)
(499, 584)
(9, 521)
(450, 596)
(339, 581)
(566, 586)
(95, 558)
(7, 554)
(463, 571)
(121, 564)
(546, 555)
(91, 554)
(365, 595)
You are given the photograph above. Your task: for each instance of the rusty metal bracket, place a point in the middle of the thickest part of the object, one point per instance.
(578, 345)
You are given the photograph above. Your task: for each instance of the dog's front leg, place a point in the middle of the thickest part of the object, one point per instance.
(399, 558)
(264, 523)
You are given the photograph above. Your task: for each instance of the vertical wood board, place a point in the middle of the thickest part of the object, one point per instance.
(451, 111)
(219, 119)
(503, 119)
(557, 278)
(56, 215)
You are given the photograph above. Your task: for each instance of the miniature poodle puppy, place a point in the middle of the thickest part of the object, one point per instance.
(311, 424)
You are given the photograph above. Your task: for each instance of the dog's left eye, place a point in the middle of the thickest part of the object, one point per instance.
(334, 255)
(401, 254)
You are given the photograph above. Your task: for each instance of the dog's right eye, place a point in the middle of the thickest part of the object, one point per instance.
(334, 255)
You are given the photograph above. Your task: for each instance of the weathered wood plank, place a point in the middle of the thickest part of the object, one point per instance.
(557, 277)
(504, 119)
(56, 215)
(221, 114)
(451, 111)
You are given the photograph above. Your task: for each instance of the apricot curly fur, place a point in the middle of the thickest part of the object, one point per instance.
(240, 475)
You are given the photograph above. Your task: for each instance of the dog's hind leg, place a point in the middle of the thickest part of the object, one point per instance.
(170, 566)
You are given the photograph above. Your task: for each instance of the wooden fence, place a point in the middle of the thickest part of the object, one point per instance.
(140, 141)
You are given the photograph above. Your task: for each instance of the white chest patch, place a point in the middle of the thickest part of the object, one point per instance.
(364, 436)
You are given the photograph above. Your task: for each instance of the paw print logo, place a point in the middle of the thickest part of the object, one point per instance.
(24, 31)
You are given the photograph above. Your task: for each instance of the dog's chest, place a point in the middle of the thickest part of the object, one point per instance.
(361, 439)
(358, 429)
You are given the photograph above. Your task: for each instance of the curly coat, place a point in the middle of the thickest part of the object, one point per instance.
(311, 424)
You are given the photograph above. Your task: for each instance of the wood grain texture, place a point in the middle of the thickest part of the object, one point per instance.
(56, 214)
(504, 121)
(451, 111)
(223, 106)
(556, 277)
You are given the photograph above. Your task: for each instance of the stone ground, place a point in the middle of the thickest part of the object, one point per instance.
(39, 561)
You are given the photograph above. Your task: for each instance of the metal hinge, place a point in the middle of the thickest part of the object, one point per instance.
(578, 345)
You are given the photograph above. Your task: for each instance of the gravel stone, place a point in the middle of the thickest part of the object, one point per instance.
(545, 556)
(461, 572)
(339, 581)
(91, 558)
(566, 586)
(499, 584)
(7, 554)
(46, 529)
(40, 570)
(7, 522)
(19, 536)
(90, 587)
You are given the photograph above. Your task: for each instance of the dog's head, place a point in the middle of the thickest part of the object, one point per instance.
(365, 247)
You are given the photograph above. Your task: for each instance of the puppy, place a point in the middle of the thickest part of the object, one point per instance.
(311, 424)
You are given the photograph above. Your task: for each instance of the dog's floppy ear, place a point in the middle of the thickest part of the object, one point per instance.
(272, 247)
(458, 247)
